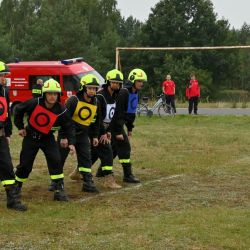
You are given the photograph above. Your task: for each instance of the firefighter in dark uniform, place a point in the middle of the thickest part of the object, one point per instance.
(126, 106)
(45, 116)
(107, 99)
(7, 175)
(37, 88)
(83, 108)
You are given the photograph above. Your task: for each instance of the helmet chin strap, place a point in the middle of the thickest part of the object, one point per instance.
(134, 87)
(109, 86)
(89, 96)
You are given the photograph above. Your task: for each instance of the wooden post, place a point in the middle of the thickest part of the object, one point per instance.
(117, 55)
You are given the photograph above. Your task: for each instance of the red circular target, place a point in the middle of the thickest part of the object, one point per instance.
(42, 119)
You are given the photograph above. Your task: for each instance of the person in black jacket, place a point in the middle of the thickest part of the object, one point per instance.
(126, 106)
(45, 116)
(107, 99)
(37, 88)
(7, 175)
(83, 108)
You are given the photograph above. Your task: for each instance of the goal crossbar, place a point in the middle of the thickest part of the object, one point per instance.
(117, 56)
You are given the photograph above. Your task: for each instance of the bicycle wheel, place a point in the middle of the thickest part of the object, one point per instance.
(172, 112)
(161, 109)
(169, 110)
(150, 113)
(165, 109)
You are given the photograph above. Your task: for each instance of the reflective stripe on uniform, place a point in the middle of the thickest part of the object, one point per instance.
(8, 182)
(36, 91)
(57, 176)
(107, 167)
(86, 170)
(55, 128)
(124, 160)
(21, 179)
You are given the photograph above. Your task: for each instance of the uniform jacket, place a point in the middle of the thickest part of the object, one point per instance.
(63, 123)
(93, 129)
(123, 115)
(105, 100)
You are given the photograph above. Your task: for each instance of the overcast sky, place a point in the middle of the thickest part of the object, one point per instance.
(235, 11)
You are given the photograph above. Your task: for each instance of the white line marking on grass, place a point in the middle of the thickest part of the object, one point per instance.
(134, 187)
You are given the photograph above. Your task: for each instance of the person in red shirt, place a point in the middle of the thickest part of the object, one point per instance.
(168, 88)
(193, 95)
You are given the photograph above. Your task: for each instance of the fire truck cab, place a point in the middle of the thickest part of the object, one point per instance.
(67, 72)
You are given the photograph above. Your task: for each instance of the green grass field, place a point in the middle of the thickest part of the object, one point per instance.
(195, 194)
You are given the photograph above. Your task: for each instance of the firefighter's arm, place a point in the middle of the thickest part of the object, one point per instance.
(96, 124)
(103, 137)
(101, 106)
(118, 119)
(130, 118)
(8, 123)
(8, 126)
(21, 109)
(67, 130)
(71, 105)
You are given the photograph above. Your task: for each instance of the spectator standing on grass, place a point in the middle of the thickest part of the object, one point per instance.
(45, 115)
(168, 88)
(7, 175)
(193, 95)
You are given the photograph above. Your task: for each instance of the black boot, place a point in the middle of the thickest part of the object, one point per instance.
(52, 186)
(13, 199)
(59, 194)
(128, 176)
(19, 186)
(99, 172)
(88, 184)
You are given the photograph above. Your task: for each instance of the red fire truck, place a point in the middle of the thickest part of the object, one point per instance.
(66, 72)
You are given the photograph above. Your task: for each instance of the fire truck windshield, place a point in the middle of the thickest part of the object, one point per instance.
(72, 82)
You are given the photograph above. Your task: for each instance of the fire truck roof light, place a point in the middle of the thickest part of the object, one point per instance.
(73, 60)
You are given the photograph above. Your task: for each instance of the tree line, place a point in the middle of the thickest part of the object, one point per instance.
(55, 30)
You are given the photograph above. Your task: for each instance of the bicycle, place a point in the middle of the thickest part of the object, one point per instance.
(160, 105)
